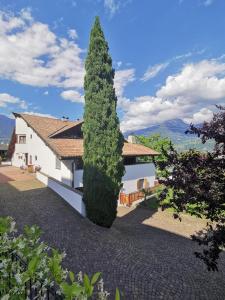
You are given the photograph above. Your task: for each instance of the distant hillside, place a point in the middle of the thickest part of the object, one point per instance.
(6, 128)
(175, 131)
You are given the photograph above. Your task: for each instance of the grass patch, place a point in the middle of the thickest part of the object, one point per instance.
(150, 203)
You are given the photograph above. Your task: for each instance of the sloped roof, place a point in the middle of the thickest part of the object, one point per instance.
(46, 128)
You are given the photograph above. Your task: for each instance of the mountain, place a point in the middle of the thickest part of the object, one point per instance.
(6, 128)
(175, 131)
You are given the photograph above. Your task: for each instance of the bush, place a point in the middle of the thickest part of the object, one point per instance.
(29, 265)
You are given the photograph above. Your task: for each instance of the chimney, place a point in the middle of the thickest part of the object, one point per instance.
(132, 139)
(64, 119)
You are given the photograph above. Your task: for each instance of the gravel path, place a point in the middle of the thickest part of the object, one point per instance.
(147, 254)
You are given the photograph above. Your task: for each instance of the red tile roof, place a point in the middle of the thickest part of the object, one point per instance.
(46, 128)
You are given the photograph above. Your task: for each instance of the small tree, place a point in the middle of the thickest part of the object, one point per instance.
(197, 181)
(156, 142)
(103, 141)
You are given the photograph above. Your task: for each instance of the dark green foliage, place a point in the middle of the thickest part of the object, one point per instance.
(103, 141)
(197, 182)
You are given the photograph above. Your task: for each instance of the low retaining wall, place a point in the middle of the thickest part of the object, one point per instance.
(70, 195)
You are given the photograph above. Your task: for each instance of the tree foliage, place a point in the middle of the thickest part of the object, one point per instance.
(198, 184)
(103, 141)
(157, 143)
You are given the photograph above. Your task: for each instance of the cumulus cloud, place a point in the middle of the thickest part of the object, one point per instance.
(152, 71)
(6, 99)
(146, 111)
(122, 79)
(188, 95)
(32, 54)
(199, 117)
(73, 96)
(203, 81)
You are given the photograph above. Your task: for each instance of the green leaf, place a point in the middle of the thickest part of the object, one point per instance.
(117, 296)
(95, 278)
(87, 285)
(71, 290)
(25, 277)
(71, 275)
(33, 264)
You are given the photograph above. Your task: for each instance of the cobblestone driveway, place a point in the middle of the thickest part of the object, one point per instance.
(146, 254)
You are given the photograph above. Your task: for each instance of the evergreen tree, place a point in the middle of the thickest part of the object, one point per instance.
(103, 141)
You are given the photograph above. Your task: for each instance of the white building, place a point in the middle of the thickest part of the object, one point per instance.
(56, 148)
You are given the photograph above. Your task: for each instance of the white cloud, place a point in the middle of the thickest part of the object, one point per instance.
(188, 95)
(202, 2)
(146, 111)
(202, 81)
(32, 54)
(122, 79)
(112, 6)
(118, 64)
(46, 93)
(72, 34)
(204, 114)
(39, 114)
(6, 99)
(152, 71)
(73, 96)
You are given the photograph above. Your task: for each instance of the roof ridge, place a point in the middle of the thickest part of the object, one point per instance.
(55, 132)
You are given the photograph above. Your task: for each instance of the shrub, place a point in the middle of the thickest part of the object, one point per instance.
(28, 265)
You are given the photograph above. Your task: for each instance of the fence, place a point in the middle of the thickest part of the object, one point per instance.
(30, 292)
(128, 199)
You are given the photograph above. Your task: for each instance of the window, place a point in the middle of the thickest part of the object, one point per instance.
(79, 163)
(30, 159)
(140, 184)
(129, 160)
(22, 139)
(31, 136)
(35, 157)
(57, 163)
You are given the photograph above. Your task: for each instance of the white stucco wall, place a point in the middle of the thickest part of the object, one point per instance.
(78, 178)
(132, 174)
(68, 194)
(46, 158)
(135, 172)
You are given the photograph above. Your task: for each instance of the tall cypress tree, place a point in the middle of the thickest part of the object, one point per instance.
(103, 141)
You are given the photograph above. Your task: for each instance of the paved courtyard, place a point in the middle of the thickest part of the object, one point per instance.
(147, 254)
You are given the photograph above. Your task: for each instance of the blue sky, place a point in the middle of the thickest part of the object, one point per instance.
(169, 57)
